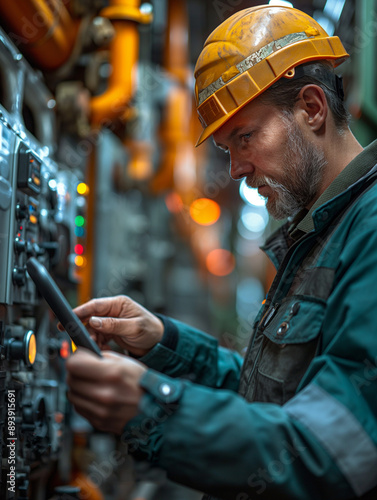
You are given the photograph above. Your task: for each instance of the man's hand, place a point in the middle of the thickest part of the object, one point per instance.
(105, 391)
(120, 318)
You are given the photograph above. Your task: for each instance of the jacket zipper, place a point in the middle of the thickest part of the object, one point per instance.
(271, 311)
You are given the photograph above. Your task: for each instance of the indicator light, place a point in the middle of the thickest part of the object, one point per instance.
(24, 348)
(79, 231)
(58, 417)
(83, 188)
(33, 219)
(79, 220)
(52, 183)
(79, 249)
(64, 349)
(80, 261)
(73, 346)
(31, 347)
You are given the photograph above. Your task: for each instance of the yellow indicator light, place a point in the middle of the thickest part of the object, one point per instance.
(33, 219)
(73, 346)
(80, 261)
(83, 188)
(205, 211)
(32, 349)
(220, 262)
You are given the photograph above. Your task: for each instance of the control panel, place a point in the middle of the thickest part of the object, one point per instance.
(38, 206)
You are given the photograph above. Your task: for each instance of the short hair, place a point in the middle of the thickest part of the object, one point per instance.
(283, 94)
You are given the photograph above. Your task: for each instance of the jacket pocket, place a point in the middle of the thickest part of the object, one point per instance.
(289, 343)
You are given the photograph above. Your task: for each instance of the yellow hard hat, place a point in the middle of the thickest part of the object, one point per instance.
(249, 52)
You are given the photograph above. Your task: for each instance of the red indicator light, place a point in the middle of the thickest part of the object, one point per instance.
(65, 351)
(79, 249)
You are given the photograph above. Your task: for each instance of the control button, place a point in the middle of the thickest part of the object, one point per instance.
(165, 389)
(283, 328)
(325, 215)
(295, 308)
(25, 348)
(19, 276)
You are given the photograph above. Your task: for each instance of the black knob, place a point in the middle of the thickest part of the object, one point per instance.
(19, 276)
(22, 211)
(34, 412)
(19, 245)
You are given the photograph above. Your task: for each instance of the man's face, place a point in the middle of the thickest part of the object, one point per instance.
(269, 148)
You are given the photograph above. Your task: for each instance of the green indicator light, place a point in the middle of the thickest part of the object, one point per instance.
(79, 220)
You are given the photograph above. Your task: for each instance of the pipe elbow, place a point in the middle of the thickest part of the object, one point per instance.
(124, 52)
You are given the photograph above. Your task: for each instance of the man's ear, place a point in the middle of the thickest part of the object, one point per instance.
(312, 102)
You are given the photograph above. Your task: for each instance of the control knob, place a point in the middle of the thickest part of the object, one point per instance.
(22, 211)
(19, 276)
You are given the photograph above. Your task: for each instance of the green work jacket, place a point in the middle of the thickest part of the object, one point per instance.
(297, 418)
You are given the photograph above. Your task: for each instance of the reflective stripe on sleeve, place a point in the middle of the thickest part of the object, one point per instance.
(340, 433)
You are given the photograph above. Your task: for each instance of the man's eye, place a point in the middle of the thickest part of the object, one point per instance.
(246, 137)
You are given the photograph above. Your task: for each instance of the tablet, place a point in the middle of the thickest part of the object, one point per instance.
(60, 306)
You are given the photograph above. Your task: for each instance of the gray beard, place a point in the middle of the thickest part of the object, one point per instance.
(303, 166)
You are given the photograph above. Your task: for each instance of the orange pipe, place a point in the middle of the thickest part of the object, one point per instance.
(140, 166)
(176, 55)
(124, 51)
(175, 138)
(42, 29)
(178, 161)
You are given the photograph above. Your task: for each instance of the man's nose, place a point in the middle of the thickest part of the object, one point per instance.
(239, 167)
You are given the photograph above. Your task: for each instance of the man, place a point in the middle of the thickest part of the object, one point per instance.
(298, 419)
